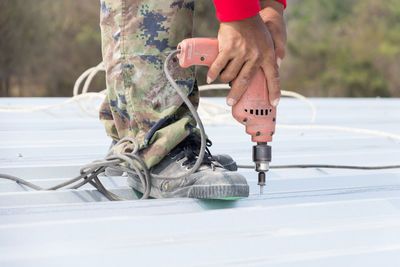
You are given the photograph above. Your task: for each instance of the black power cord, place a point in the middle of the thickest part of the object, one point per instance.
(101, 188)
(327, 166)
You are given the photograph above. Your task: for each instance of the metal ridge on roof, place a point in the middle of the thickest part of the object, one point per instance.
(307, 217)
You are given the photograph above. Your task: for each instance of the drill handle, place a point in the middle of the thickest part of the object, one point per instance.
(253, 109)
(197, 51)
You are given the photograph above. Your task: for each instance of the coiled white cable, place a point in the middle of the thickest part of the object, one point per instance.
(90, 172)
(211, 113)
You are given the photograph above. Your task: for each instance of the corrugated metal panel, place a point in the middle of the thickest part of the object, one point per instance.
(307, 217)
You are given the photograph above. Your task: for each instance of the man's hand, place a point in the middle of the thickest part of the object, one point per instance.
(244, 46)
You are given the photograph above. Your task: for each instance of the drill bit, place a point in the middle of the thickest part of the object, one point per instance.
(261, 181)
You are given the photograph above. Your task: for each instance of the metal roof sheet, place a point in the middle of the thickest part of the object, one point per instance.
(307, 217)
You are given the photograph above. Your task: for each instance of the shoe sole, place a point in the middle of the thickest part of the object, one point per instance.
(220, 192)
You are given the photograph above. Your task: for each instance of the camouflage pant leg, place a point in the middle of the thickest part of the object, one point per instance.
(136, 38)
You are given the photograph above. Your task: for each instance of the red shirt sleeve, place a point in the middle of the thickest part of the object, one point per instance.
(231, 10)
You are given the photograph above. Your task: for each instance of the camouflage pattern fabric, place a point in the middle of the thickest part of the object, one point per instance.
(136, 38)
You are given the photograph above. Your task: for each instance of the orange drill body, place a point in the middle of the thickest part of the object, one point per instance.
(253, 109)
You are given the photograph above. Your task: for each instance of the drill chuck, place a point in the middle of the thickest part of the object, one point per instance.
(261, 158)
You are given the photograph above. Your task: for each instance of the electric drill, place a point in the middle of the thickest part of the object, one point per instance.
(253, 109)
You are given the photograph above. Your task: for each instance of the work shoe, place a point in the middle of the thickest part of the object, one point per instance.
(224, 160)
(215, 178)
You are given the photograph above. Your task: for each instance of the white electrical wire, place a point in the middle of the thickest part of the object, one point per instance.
(339, 128)
(88, 106)
(210, 112)
(74, 99)
(84, 100)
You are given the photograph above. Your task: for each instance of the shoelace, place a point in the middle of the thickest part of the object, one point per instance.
(191, 148)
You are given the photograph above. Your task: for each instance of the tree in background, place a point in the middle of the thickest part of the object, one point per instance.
(20, 43)
(46, 44)
(343, 48)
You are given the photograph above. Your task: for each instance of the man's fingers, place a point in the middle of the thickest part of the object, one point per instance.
(272, 75)
(250, 41)
(278, 35)
(232, 70)
(218, 65)
(240, 84)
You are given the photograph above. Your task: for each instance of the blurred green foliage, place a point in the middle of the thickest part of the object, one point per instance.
(343, 48)
(46, 44)
(335, 47)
